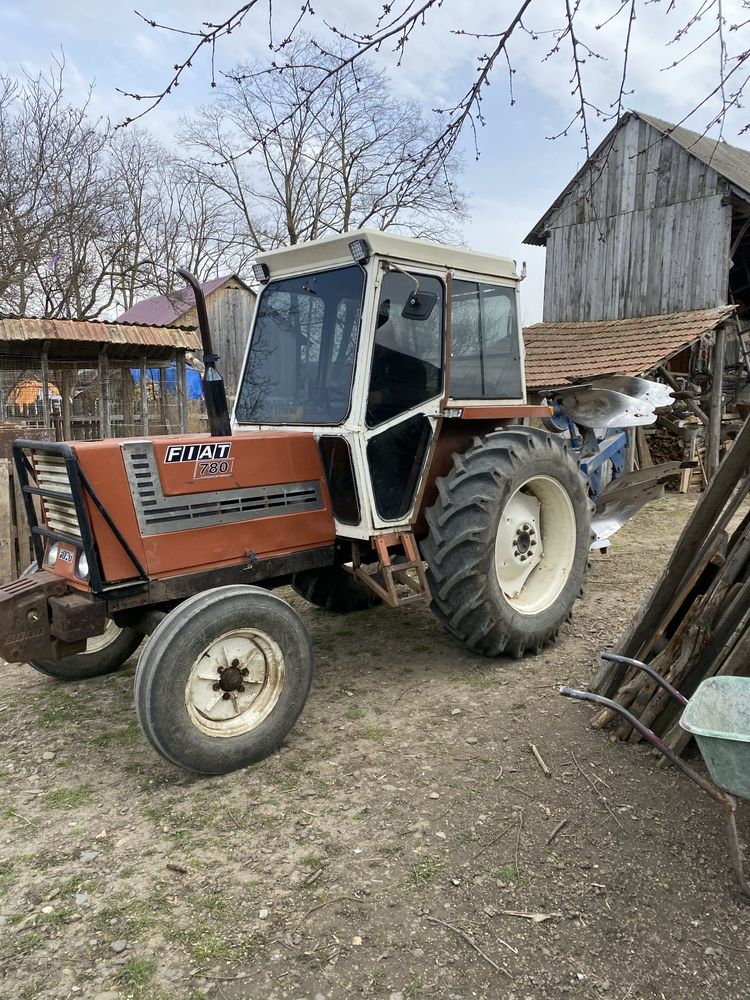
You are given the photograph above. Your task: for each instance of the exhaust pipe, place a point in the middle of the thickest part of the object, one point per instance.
(213, 384)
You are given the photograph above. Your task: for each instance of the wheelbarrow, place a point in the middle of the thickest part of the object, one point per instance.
(718, 716)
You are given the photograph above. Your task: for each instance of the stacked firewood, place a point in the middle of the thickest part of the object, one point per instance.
(695, 623)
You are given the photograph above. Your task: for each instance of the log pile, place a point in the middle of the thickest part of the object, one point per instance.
(695, 622)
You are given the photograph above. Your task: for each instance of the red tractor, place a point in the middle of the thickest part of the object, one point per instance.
(379, 450)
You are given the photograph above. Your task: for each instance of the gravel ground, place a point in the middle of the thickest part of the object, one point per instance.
(404, 842)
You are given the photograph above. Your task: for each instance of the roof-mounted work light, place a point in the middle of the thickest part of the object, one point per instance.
(360, 251)
(261, 273)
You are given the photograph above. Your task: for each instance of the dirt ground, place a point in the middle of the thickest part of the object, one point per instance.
(403, 844)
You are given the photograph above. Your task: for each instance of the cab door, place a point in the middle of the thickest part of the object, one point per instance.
(404, 391)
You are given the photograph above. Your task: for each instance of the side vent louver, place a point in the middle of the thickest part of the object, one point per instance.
(158, 513)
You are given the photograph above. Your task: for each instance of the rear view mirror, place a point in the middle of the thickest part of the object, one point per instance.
(419, 305)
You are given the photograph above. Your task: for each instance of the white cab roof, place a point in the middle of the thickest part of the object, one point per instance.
(335, 250)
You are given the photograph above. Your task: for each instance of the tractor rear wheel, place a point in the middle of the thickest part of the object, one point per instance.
(334, 589)
(508, 542)
(223, 678)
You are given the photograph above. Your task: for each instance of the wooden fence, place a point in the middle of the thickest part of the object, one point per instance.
(16, 550)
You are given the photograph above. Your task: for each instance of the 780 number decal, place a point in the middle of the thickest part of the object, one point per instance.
(206, 470)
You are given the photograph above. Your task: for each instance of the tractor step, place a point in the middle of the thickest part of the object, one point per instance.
(389, 574)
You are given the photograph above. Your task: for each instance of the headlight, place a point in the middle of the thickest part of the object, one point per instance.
(52, 554)
(82, 569)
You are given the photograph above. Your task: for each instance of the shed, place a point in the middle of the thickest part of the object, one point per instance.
(656, 221)
(229, 304)
(656, 224)
(82, 379)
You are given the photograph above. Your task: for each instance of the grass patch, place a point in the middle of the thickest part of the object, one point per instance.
(507, 873)
(7, 876)
(478, 680)
(373, 733)
(68, 798)
(57, 918)
(424, 872)
(137, 972)
(117, 737)
(64, 707)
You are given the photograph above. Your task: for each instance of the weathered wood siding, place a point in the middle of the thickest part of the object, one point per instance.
(643, 232)
(230, 313)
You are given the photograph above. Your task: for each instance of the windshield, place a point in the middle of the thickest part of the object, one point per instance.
(301, 359)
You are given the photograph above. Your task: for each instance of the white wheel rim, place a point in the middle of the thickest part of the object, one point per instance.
(235, 683)
(99, 642)
(535, 544)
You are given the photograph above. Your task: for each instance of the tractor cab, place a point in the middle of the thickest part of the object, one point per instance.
(370, 341)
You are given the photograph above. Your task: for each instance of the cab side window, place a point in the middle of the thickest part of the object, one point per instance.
(485, 342)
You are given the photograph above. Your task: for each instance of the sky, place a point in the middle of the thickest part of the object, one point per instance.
(520, 169)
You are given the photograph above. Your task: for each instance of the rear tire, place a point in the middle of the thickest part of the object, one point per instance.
(104, 654)
(223, 678)
(508, 542)
(333, 589)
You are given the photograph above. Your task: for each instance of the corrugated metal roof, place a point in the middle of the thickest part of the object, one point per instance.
(558, 353)
(731, 162)
(19, 329)
(163, 310)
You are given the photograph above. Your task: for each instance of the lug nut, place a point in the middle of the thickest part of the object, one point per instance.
(235, 663)
(241, 688)
(225, 696)
(216, 687)
(245, 671)
(221, 670)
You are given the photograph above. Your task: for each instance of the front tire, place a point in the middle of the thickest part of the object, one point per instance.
(508, 542)
(104, 654)
(223, 678)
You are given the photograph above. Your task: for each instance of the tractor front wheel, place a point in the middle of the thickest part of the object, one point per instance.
(104, 654)
(223, 678)
(508, 542)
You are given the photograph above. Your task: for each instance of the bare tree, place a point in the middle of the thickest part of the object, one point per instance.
(566, 35)
(347, 156)
(90, 221)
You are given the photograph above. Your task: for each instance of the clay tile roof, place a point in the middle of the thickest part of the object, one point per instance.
(161, 310)
(558, 353)
(19, 329)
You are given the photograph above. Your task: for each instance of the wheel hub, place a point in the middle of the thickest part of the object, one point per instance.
(538, 516)
(235, 683)
(231, 678)
(525, 541)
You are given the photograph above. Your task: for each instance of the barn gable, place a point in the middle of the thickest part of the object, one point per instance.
(644, 228)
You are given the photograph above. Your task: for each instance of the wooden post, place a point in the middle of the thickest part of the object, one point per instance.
(7, 562)
(128, 401)
(163, 401)
(181, 391)
(713, 456)
(144, 399)
(105, 429)
(46, 414)
(65, 395)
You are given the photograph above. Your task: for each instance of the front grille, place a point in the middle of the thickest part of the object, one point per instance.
(158, 513)
(52, 478)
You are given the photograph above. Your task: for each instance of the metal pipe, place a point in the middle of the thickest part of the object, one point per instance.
(214, 392)
(653, 674)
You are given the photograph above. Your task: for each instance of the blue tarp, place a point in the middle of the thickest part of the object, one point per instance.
(192, 379)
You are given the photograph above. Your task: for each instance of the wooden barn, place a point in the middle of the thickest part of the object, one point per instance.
(229, 304)
(655, 224)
